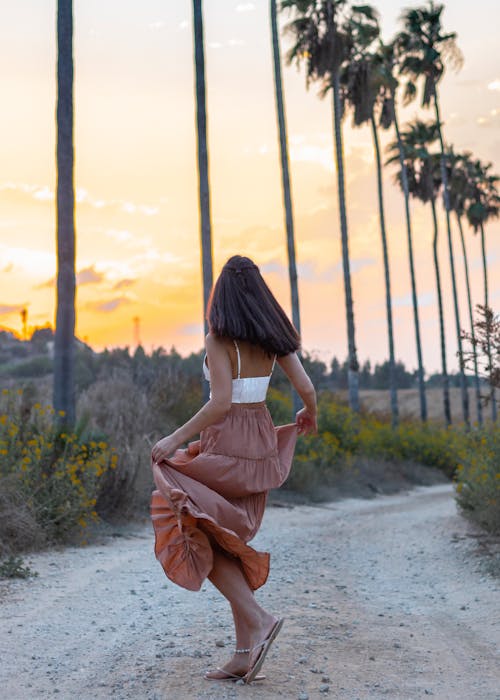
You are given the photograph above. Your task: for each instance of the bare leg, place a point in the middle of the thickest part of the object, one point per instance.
(252, 623)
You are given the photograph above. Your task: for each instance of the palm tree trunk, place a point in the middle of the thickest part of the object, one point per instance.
(64, 345)
(285, 170)
(446, 380)
(388, 302)
(487, 303)
(353, 372)
(285, 182)
(444, 176)
(203, 183)
(479, 405)
(406, 191)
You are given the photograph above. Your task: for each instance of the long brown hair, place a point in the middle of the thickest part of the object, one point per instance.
(241, 306)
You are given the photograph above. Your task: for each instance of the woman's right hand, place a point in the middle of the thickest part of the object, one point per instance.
(306, 421)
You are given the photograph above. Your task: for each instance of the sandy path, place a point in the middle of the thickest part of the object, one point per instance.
(385, 598)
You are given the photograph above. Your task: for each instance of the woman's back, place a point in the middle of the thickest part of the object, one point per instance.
(251, 371)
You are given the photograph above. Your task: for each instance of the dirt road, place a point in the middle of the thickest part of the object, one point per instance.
(383, 598)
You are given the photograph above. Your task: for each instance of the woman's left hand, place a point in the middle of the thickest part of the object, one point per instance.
(164, 448)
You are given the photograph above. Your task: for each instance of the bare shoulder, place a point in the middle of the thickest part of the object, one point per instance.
(290, 360)
(214, 343)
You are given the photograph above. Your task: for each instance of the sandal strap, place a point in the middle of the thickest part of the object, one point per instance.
(230, 675)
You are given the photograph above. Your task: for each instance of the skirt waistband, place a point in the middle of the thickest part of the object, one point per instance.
(245, 406)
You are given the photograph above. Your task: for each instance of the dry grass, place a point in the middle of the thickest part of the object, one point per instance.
(378, 401)
(120, 409)
(18, 525)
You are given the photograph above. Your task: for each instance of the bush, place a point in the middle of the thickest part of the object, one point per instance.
(50, 477)
(121, 411)
(34, 367)
(478, 480)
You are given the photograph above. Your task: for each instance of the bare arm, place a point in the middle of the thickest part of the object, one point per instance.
(307, 416)
(215, 409)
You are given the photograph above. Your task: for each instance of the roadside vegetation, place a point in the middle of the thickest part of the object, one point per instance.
(55, 484)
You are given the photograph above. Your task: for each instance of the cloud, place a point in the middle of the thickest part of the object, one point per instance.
(31, 260)
(43, 193)
(245, 7)
(358, 264)
(8, 309)
(123, 284)
(191, 329)
(107, 306)
(469, 83)
(309, 271)
(312, 154)
(273, 267)
(89, 275)
(425, 299)
(490, 119)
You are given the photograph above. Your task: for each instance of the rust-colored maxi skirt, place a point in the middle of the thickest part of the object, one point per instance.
(218, 487)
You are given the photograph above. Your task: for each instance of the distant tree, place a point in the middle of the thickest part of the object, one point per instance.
(365, 376)
(424, 183)
(459, 189)
(483, 205)
(390, 56)
(339, 374)
(41, 336)
(320, 43)
(485, 344)
(365, 84)
(425, 48)
(64, 346)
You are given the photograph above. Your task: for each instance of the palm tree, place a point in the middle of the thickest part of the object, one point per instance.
(387, 67)
(285, 180)
(423, 49)
(64, 345)
(364, 89)
(483, 205)
(321, 44)
(203, 182)
(285, 170)
(425, 183)
(459, 187)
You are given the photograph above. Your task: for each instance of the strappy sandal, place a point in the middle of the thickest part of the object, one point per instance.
(231, 676)
(266, 644)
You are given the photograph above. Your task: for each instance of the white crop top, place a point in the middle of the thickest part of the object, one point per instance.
(245, 389)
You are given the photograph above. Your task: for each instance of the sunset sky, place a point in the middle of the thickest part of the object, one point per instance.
(136, 183)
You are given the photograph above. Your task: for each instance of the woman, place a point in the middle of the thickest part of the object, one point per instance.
(210, 497)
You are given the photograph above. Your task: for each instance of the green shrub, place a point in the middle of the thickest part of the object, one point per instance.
(318, 462)
(280, 406)
(478, 480)
(34, 367)
(13, 567)
(54, 474)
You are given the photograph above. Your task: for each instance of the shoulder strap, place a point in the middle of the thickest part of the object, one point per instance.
(239, 359)
(274, 362)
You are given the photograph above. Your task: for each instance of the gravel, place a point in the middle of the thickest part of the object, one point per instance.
(387, 598)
